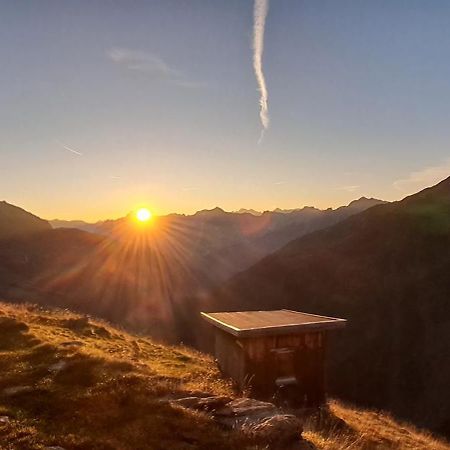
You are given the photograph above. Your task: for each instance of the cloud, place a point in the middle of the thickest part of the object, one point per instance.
(352, 188)
(69, 149)
(260, 10)
(151, 65)
(423, 178)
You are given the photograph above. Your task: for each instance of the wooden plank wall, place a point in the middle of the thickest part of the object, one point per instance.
(262, 360)
(301, 356)
(230, 356)
(258, 349)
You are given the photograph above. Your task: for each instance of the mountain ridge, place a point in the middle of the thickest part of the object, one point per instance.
(217, 210)
(16, 221)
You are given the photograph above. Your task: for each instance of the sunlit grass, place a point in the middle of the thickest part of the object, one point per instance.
(355, 429)
(111, 381)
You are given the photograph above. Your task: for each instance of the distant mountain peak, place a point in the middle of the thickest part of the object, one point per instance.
(365, 201)
(253, 212)
(210, 212)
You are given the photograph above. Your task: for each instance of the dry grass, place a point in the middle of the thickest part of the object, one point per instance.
(351, 428)
(109, 393)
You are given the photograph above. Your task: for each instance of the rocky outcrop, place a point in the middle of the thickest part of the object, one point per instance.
(211, 404)
(280, 431)
(261, 422)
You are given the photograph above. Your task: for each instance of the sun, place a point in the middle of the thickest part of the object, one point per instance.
(143, 215)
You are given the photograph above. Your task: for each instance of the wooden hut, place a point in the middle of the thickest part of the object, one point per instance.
(274, 353)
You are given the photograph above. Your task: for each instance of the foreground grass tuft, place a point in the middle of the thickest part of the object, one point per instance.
(351, 428)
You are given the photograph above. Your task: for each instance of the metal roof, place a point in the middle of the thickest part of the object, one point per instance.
(268, 323)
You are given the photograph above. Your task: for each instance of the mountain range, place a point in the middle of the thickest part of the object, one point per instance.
(223, 243)
(148, 278)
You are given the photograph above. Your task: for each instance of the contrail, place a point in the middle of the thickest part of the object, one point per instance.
(261, 7)
(76, 152)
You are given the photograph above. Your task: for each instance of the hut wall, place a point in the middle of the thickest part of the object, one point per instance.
(271, 361)
(230, 356)
(267, 364)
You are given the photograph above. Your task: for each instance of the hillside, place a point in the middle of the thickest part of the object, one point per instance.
(80, 384)
(387, 271)
(78, 224)
(15, 222)
(70, 382)
(123, 281)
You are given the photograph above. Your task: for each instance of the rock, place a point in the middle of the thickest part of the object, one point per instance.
(102, 332)
(261, 421)
(54, 447)
(58, 366)
(279, 431)
(247, 407)
(72, 344)
(186, 402)
(213, 403)
(199, 394)
(244, 412)
(76, 323)
(4, 419)
(202, 403)
(225, 411)
(17, 390)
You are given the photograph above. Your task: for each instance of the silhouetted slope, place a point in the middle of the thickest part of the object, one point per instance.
(387, 271)
(78, 224)
(126, 281)
(16, 222)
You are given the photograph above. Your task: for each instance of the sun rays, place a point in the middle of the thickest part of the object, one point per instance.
(146, 271)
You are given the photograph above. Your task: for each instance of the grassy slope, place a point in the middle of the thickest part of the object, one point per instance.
(369, 430)
(108, 396)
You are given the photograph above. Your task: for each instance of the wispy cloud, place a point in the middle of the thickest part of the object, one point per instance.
(423, 178)
(260, 10)
(69, 149)
(151, 65)
(351, 188)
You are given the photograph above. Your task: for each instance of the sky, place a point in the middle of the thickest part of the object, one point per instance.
(110, 105)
